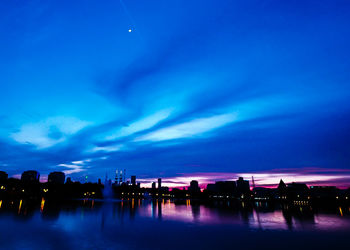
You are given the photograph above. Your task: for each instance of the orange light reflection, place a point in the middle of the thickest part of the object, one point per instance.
(42, 205)
(20, 206)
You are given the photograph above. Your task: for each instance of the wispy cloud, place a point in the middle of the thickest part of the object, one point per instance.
(208, 93)
(192, 128)
(71, 168)
(110, 148)
(140, 125)
(49, 132)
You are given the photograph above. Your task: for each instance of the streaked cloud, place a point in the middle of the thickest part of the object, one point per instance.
(48, 132)
(69, 169)
(140, 125)
(110, 148)
(192, 128)
(221, 89)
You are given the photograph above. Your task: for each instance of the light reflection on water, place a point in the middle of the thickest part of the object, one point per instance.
(92, 222)
(261, 216)
(255, 217)
(298, 218)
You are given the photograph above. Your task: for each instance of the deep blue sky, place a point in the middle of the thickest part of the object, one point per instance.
(195, 87)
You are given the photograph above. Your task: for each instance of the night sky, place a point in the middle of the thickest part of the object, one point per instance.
(182, 90)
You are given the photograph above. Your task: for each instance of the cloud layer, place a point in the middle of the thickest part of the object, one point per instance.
(206, 88)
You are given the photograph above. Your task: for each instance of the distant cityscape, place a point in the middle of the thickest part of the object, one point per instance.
(58, 187)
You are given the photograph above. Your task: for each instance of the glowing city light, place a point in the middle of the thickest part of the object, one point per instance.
(42, 205)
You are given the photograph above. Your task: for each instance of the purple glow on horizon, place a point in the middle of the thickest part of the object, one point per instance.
(310, 176)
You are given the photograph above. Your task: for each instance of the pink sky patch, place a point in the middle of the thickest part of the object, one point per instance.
(310, 176)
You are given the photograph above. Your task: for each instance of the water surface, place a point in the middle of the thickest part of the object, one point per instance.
(165, 224)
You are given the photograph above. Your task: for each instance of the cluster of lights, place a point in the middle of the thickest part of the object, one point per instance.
(301, 202)
(168, 195)
(346, 197)
(88, 193)
(217, 196)
(2, 188)
(261, 198)
(134, 194)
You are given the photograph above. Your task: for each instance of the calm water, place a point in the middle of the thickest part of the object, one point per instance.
(141, 224)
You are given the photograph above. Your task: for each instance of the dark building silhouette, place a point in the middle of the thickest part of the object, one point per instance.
(222, 188)
(211, 187)
(194, 187)
(297, 191)
(261, 193)
(3, 176)
(294, 194)
(282, 186)
(227, 187)
(242, 186)
(30, 176)
(69, 180)
(324, 192)
(56, 177)
(282, 190)
(298, 186)
(133, 180)
(164, 189)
